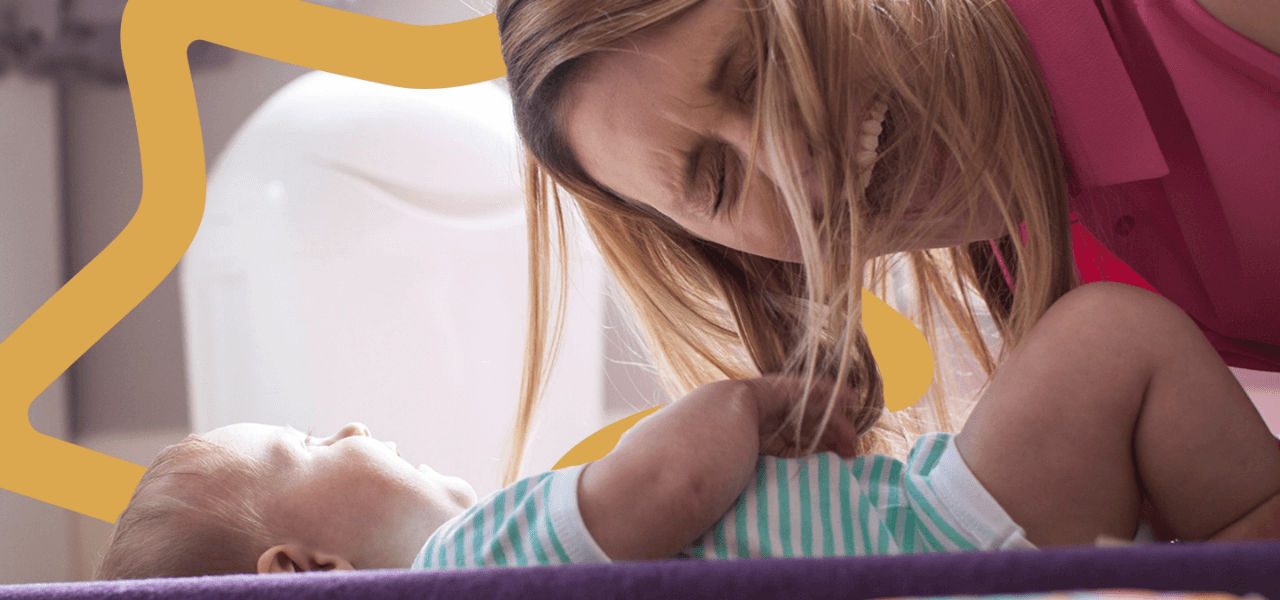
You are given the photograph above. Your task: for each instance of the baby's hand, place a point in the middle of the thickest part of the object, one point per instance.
(777, 398)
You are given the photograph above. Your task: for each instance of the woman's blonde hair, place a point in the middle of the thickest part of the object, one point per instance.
(968, 125)
(193, 513)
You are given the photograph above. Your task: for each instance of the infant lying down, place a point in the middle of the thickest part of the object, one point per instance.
(1113, 408)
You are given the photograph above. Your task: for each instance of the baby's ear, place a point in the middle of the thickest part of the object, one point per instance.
(293, 558)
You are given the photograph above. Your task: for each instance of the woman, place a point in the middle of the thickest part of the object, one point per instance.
(746, 166)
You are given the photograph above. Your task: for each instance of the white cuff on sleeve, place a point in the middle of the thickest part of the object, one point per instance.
(567, 518)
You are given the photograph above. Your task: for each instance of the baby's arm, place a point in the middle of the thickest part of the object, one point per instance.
(678, 471)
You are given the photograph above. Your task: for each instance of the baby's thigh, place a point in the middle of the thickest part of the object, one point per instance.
(1051, 437)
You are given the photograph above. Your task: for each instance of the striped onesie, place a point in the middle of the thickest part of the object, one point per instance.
(820, 505)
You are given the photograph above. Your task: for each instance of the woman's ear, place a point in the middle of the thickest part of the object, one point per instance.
(294, 558)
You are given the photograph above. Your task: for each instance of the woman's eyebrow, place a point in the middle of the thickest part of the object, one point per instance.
(713, 83)
(691, 160)
(715, 80)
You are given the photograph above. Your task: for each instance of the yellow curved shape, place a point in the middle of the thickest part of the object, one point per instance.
(601, 442)
(901, 351)
(154, 38)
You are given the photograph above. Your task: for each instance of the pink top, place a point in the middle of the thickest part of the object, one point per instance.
(1170, 123)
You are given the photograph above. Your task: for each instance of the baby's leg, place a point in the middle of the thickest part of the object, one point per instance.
(1114, 397)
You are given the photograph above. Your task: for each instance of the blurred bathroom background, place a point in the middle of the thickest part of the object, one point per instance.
(362, 257)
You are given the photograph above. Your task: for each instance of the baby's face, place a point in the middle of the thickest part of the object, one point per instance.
(347, 493)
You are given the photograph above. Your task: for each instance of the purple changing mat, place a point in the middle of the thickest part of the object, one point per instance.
(1235, 568)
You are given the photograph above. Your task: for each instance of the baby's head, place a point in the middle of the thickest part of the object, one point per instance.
(252, 498)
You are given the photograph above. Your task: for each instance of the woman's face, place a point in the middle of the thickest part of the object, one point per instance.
(664, 120)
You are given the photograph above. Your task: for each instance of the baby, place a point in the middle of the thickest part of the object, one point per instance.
(1113, 408)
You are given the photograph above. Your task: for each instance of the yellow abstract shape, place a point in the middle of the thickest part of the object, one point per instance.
(601, 442)
(154, 37)
(901, 351)
(902, 354)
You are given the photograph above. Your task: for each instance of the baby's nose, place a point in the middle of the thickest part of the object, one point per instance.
(353, 428)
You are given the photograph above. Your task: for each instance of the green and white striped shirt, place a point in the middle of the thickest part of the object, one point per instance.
(820, 505)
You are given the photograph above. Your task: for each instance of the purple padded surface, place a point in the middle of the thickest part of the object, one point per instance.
(1235, 568)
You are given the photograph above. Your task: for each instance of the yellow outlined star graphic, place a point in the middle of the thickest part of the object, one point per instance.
(154, 36)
